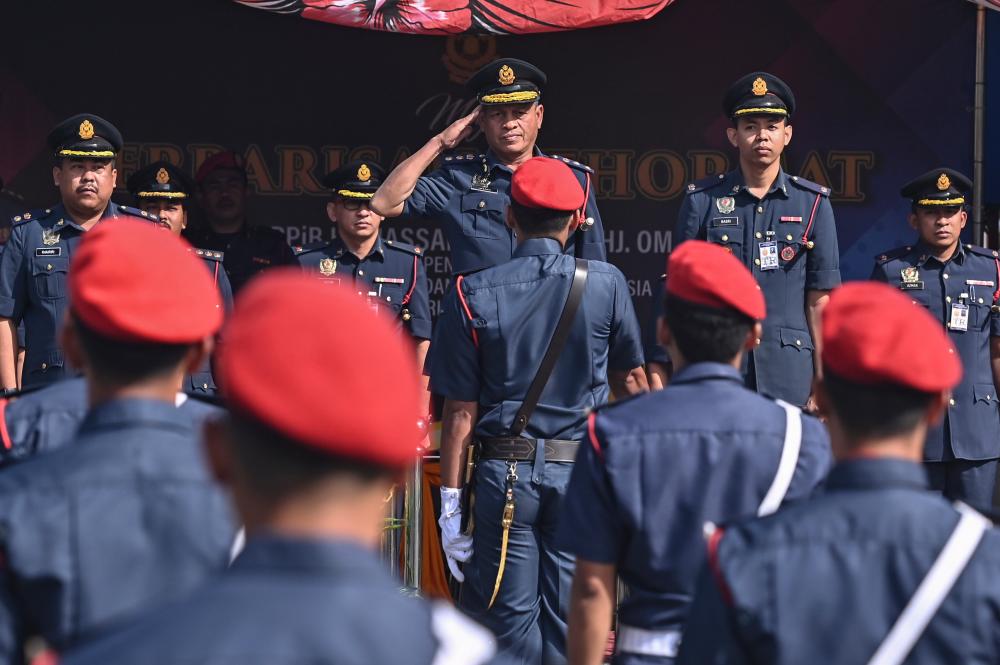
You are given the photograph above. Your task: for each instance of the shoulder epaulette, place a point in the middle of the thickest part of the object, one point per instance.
(810, 185)
(576, 165)
(982, 251)
(311, 247)
(30, 215)
(705, 183)
(135, 212)
(402, 246)
(462, 160)
(209, 254)
(885, 257)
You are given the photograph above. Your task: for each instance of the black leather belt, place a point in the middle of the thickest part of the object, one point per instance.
(520, 449)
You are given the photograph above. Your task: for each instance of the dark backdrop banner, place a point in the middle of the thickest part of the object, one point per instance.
(884, 92)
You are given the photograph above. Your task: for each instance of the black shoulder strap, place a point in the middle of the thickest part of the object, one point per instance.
(555, 347)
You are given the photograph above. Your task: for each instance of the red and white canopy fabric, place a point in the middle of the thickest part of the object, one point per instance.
(989, 4)
(449, 17)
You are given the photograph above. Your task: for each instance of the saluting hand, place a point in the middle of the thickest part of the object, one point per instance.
(458, 131)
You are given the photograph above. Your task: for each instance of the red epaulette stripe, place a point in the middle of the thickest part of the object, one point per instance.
(713, 564)
(812, 218)
(216, 273)
(406, 298)
(4, 434)
(592, 435)
(996, 294)
(465, 306)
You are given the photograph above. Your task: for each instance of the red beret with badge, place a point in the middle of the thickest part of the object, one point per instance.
(133, 282)
(706, 274)
(293, 358)
(227, 159)
(546, 183)
(873, 334)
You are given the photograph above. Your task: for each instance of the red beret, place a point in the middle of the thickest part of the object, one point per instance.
(312, 361)
(543, 182)
(227, 159)
(873, 334)
(135, 282)
(707, 274)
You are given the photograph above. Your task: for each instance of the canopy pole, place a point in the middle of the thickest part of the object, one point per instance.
(979, 237)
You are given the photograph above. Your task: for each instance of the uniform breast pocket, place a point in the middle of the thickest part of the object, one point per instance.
(482, 215)
(979, 313)
(728, 232)
(390, 294)
(918, 296)
(791, 253)
(49, 276)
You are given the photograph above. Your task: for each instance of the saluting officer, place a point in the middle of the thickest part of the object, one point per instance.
(658, 467)
(35, 261)
(572, 319)
(126, 516)
(876, 568)
(309, 475)
(164, 190)
(389, 274)
(469, 194)
(960, 286)
(781, 227)
(247, 248)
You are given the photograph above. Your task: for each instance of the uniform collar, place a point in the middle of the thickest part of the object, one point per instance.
(877, 473)
(537, 247)
(706, 371)
(493, 163)
(737, 184)
(59, 212)
(378, 249)
(128, 412)
(927, 257)
(269, 552)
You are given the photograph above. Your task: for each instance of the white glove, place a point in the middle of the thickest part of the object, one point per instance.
(457, 545)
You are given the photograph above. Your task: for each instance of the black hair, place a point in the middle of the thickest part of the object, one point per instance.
(277, 466)
(703, 333)
(537, 222)
(875, 411)
(128, 362)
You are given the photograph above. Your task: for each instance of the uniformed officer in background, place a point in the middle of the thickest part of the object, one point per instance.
(389, 274)
(495, 326)
(781, 227)
(876, 568)
(469, 194)
(309, 476)
(658, 467)
(164, 190)
(36, 259)
(960, 286)
(126, 516)
(248, 248)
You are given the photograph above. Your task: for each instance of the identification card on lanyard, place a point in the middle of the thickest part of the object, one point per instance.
(768, 255)
(959, 317)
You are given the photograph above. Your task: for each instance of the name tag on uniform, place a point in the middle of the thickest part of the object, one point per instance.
(768, 255)
(725, 221)
(959, 317)
(48, 251)
(912, 286)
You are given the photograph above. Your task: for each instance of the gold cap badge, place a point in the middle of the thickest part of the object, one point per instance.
(506, 75)
(944, 182)
(86, 130)
(162, 176)
(759, 87)
(364, 173)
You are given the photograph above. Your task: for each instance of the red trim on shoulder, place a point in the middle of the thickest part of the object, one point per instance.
(996, 294)
(713, 564)
(586, 197)
(812, 218)
(465, 306)
(4, 434)
(413, 284)
(592, 435)
(216, 277)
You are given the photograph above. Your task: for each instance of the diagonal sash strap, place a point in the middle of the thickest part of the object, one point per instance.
(786, 465)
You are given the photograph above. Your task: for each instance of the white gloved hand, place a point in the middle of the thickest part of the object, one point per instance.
(457, 545)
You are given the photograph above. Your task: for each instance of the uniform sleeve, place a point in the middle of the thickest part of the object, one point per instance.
(823, 260)
(879, 274)
(654, 351)
(625, 348)
(13, 280)
(589, 244)
(225, 288)
(589, 527)
(709, 636)
(419, 304)
(430, 196)
(455, 364)
(690, 220)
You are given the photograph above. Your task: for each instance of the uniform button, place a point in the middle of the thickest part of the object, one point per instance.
(945, 275)
(951, 402)
(798, 342)
(758, 235)
(756, 262)
(204, 386)
(760, 208)
(45, 366)
(947, 298)
(482, 204)
(980, 301)
(361, 272)
(788, 237)
(48, 267)
(725, 238)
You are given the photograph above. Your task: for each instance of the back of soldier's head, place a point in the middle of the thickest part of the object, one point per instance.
(885, 361)
(545, 196)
